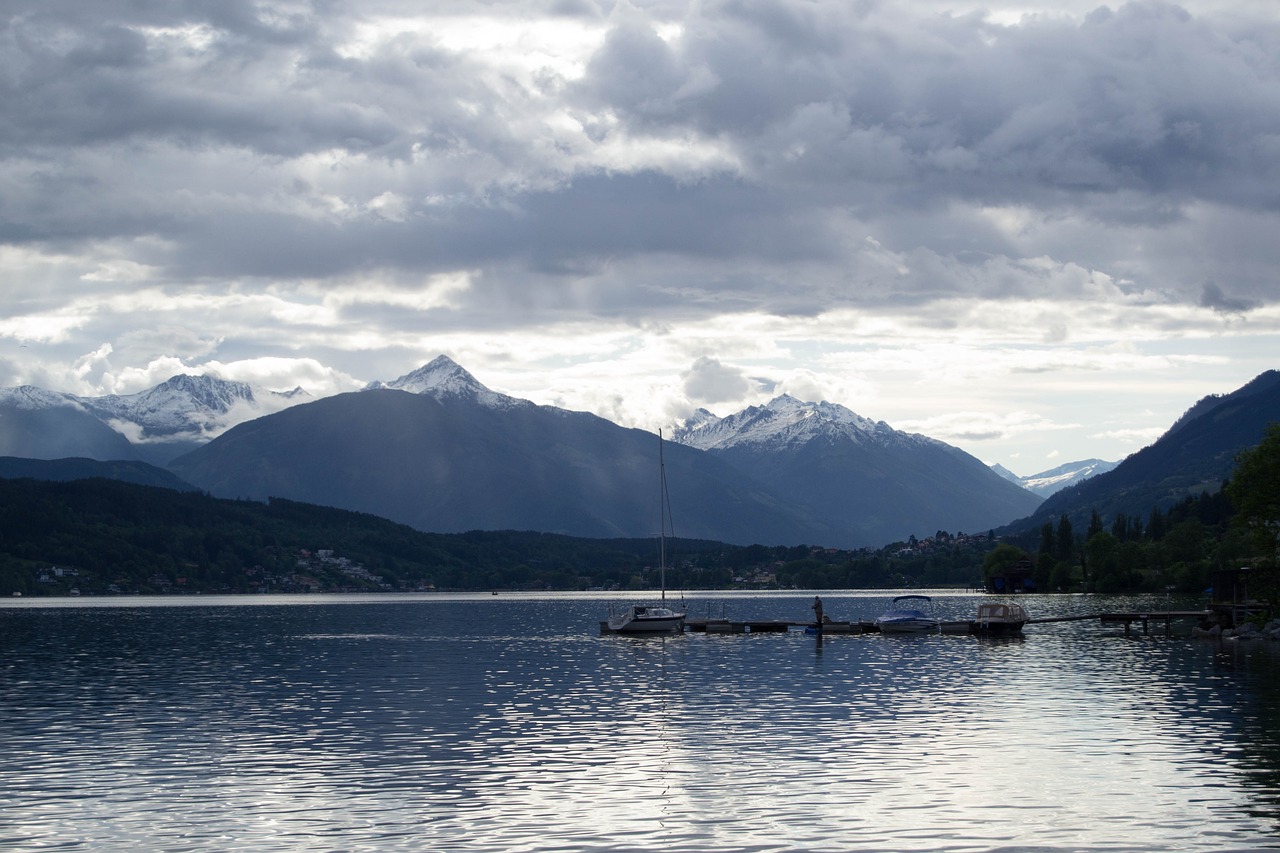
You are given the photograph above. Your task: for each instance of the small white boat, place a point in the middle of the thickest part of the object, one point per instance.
(909, 615)
(999, 619)
(653, 619)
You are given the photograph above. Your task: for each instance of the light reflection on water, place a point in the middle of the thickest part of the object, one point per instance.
(508, 724)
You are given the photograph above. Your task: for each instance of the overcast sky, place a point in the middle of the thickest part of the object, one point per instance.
(1038, 231)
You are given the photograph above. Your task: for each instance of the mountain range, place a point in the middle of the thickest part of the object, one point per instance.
(156, 425)
(439, 451)
(869, 481)
(1056, 479)
(1194, 455)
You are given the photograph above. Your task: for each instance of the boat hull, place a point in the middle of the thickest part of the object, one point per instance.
(908, 626)
(997, 629)
(647, 620)
(907, 617)
(648, 626)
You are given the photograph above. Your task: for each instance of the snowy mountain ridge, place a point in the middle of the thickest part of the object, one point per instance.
(178, 414)
(29, 398)
(784, 422)
(186, 410)
(1046, 483)
(189, 407)
(861, 477)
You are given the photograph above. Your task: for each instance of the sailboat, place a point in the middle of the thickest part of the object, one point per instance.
(653, 619)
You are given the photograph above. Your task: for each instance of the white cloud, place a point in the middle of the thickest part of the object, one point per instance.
(709, 381)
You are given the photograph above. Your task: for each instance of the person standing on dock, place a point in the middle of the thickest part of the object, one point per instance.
(817, 613)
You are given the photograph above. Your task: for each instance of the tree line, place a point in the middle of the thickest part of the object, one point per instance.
(1174, 549)
(106, 536)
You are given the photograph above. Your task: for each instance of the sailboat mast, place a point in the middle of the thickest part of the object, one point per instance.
(662, 518)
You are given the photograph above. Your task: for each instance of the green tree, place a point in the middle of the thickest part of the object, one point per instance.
(1046, 539)
(1001, 558)
(1104, 563)
(1060, 578)
(1255, 492)
(1043, 574)
(1066, 540)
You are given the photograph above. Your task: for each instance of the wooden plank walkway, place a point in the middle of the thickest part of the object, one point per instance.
(767, 626)
(1147, 618)
(1127, 619)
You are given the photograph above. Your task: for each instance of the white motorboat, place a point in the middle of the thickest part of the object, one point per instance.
(909, 615)
(653, 619)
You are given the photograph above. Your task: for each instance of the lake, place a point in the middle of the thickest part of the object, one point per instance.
(507, 723)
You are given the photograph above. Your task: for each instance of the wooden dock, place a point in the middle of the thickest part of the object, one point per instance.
(770, 626)
(728, 626)
(781, 626)
(1127, 619)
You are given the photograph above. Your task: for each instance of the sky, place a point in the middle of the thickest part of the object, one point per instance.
(1037, 231)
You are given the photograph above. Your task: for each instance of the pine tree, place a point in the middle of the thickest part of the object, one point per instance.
(1066, 541)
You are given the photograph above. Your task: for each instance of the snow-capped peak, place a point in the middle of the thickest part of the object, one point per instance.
(442, 375)
(197, 407)
(442, 378)
(31, 398)
(784, 420)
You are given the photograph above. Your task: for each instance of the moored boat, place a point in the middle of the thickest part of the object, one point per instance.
(646, 619)
(909, 615)
(999, 618)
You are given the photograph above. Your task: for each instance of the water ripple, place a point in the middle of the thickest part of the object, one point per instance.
(487, 726)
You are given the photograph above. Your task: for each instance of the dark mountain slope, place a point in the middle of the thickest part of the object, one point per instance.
(1195, 455)
(889, 492)
(870, 483)
(64, 470)
(58, 432)
(464, 464)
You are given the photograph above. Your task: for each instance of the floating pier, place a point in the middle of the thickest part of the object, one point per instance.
(961, 626)
(773, 626)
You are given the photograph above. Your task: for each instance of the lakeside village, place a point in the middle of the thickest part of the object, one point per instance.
(323, 571)
(318, 571)
(935, 561)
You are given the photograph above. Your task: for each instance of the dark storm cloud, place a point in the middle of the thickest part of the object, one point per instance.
(1146, 98)
(208, 125)
(1213, 297)
(72, 83)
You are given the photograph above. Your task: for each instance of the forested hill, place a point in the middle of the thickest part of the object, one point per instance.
(100, 536)
(79, 468)
(105, 536)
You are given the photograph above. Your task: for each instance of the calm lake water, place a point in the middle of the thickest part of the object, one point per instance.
(507, 723)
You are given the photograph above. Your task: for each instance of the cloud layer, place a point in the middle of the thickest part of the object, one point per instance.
(636, 209)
